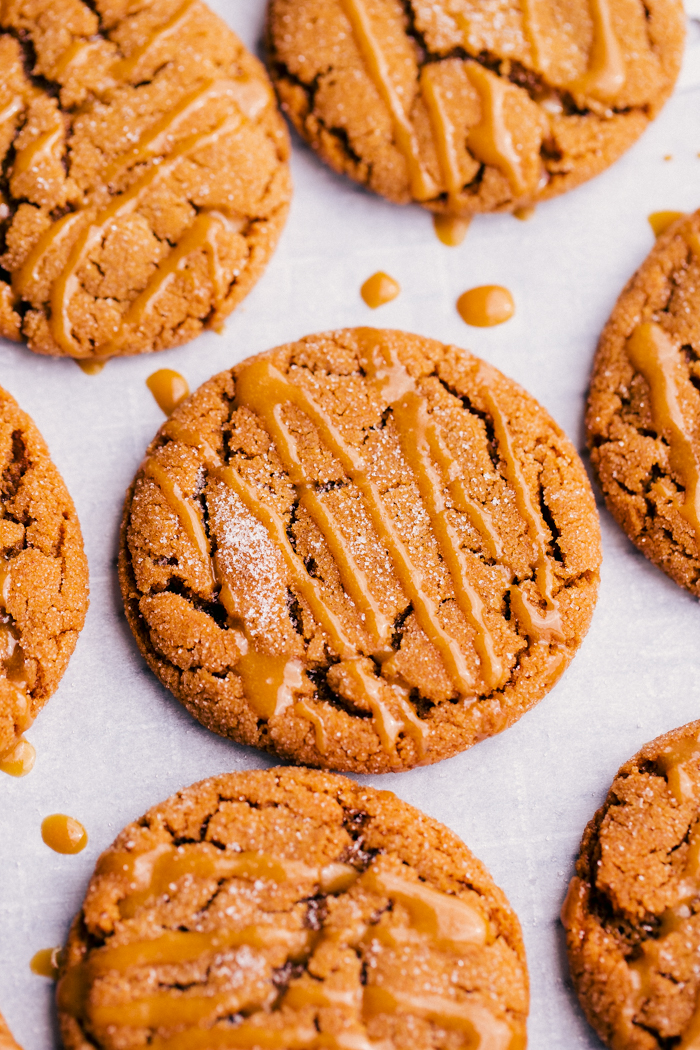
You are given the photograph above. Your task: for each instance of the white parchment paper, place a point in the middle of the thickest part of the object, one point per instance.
(113, 742)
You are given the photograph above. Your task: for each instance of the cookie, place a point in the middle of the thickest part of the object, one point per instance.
(7, 1042)
(43, 574)
(362, 551)
(296, 910)
(469, 107)
(144, 181)
(644, 406)
(632, 913)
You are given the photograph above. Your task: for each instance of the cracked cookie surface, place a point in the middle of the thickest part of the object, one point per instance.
(632, 913)
(43, 574)
(144, 179)
(362, 551)
(467, 107)
(643, 417)
(293, 909)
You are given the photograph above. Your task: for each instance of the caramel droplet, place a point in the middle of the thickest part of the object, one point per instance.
(19, 760)
(63, 834)
(169, 388)
(92, 366)
(44, 963)
(451, 229)
(486, 306)
(524, 214)
(661, 220)
(379, 289)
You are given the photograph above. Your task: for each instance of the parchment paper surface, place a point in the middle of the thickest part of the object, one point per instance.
(113, 742)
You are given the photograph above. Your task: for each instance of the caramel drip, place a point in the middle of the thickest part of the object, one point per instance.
(169, 388)
(123, 68)
(262, 387)
(486, 306)
(379, 289)
(478, 1025)
(304, 710)
(189, 518)
(358, 685)
(44, 963)
(50, 238)
(422, 185)
(63, 834)
(37, 151)
(203, 235)
(451, 229)
(661, 220)
(123, 204)
(19, 759)
(652, 353)
(269, 682)
(418, 438)
(605, 76)
(444, 135)
(91, 366)
(490, 140)
(673, 762)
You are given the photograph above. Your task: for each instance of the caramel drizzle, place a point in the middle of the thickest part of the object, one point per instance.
(545, 627)
(76, 54)
(123, 204)
(124, 67)
(651, 353)
(11, 110)
(478, 1025)
(490, 140)
(37, 151)
(50, 238)
(422, 185)
(12, 666)
(605, 76)
(447, 921)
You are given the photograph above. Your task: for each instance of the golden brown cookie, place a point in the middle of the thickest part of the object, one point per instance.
(632, 913)
(362, 551)
(643, 419)
(145, 178)
(287, 909)
(471, 107)
(43, 574)
(7, 1041)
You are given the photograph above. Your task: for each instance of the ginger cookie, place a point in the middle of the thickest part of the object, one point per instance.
(643, 419)
(144, 181)
(362, 551)
(632, 913)
(469, 107)
(7, 1041)
(43, 574)
(296, 910)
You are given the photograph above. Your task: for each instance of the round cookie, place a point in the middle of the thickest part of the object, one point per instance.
(632, 913)
(43, 574)
(295, 910)
(643, 417)
(362, 551)
(145, 176)
(470, 107)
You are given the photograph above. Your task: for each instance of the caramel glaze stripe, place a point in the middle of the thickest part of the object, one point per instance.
(422, 185)
(38, 150)
(491, 141)
(203, 234)
(531, 32)
(652, 353)
(265, 384)
(310, 589)
(11, 110)
(605, 76)
(545, 627)
(475, 1021)
(66, 284)
(124, 67)
(50, 238)
(189, 518)
(443, 134)
(76, 54)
